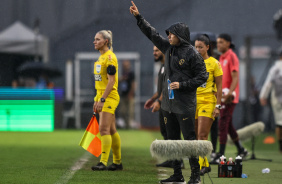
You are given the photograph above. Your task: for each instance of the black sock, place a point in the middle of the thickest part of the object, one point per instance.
(239, 146)
(280, 145)
(222, 149)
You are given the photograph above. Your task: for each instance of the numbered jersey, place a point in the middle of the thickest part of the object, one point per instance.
(214, 69)
(100, 70)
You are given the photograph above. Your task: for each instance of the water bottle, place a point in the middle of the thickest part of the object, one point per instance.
(238, 166)
(230, 164)
(221, 170)
(170, 91)
(244, 176)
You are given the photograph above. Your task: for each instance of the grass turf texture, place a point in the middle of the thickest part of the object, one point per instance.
(45, 157)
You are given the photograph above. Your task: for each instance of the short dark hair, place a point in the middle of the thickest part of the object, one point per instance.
(228, 38)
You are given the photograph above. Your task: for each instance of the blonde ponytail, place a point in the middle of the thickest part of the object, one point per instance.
(107, 35)
(110, 41)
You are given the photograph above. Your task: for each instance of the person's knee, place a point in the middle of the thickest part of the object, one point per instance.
(113, 131)
(104, 130)
(203, 136)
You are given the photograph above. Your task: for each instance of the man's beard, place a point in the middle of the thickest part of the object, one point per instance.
(159, 58)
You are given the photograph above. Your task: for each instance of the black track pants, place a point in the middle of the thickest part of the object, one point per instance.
(180, 122)
(162, 124)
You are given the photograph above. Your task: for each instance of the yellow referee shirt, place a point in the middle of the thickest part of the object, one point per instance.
(100, 70)
(205, 93)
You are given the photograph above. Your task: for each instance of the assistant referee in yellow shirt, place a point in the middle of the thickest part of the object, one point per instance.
(107, 100)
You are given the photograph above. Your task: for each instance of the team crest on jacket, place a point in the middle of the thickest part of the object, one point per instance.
(182, 61)
(98, 68)
(110, 57)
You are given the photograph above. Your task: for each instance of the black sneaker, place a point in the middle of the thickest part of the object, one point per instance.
(165, 164)
(212, 156)
(99, 167)
(195, 179)
(205, 170)
(244, 153)
(215, 160)
(115, 167)
(173, 179)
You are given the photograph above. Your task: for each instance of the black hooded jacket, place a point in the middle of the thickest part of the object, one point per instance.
(183, 64)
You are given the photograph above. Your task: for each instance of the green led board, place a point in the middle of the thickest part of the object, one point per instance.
(27, 115)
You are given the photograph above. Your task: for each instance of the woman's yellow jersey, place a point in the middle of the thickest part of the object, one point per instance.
(100, 70)
(205, 93)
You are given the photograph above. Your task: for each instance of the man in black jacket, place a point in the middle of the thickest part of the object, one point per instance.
(185, 69)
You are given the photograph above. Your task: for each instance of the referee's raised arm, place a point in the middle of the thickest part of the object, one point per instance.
(159, 41)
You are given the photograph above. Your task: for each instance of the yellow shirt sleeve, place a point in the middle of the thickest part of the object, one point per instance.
(217, 69)
(112, 60)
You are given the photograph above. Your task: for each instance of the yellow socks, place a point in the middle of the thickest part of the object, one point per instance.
(206, 162)
(116, 148)
(203, 162)
(106, 148)
(108, 142)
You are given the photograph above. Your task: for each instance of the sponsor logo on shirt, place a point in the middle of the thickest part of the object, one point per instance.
(204, 85)
(98, 68)
(98, 77)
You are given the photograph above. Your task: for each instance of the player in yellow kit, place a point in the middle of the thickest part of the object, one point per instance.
(107, 100)
(208, 105)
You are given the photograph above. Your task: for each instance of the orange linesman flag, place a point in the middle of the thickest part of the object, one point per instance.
(91, 140)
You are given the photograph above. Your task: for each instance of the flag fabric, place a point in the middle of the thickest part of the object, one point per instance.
(91, 140)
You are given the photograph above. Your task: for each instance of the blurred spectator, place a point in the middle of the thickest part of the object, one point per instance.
(230, 97)
(127, 89)
(28, 82)
(273, 84)
(15, 83)
(254, 101)
(44, 82)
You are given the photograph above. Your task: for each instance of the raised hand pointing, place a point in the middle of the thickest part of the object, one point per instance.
(133, 9)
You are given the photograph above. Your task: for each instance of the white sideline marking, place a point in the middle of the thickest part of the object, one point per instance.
(162, 174)
(77, 166)
(162, 170)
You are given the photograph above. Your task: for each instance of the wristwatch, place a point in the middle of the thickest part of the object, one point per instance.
(103, 100)
(160, 102)
(218, 106)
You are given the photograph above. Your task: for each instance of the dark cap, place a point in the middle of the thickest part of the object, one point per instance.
(228, 38)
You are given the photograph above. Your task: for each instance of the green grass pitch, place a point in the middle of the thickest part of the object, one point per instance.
(39, 157)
